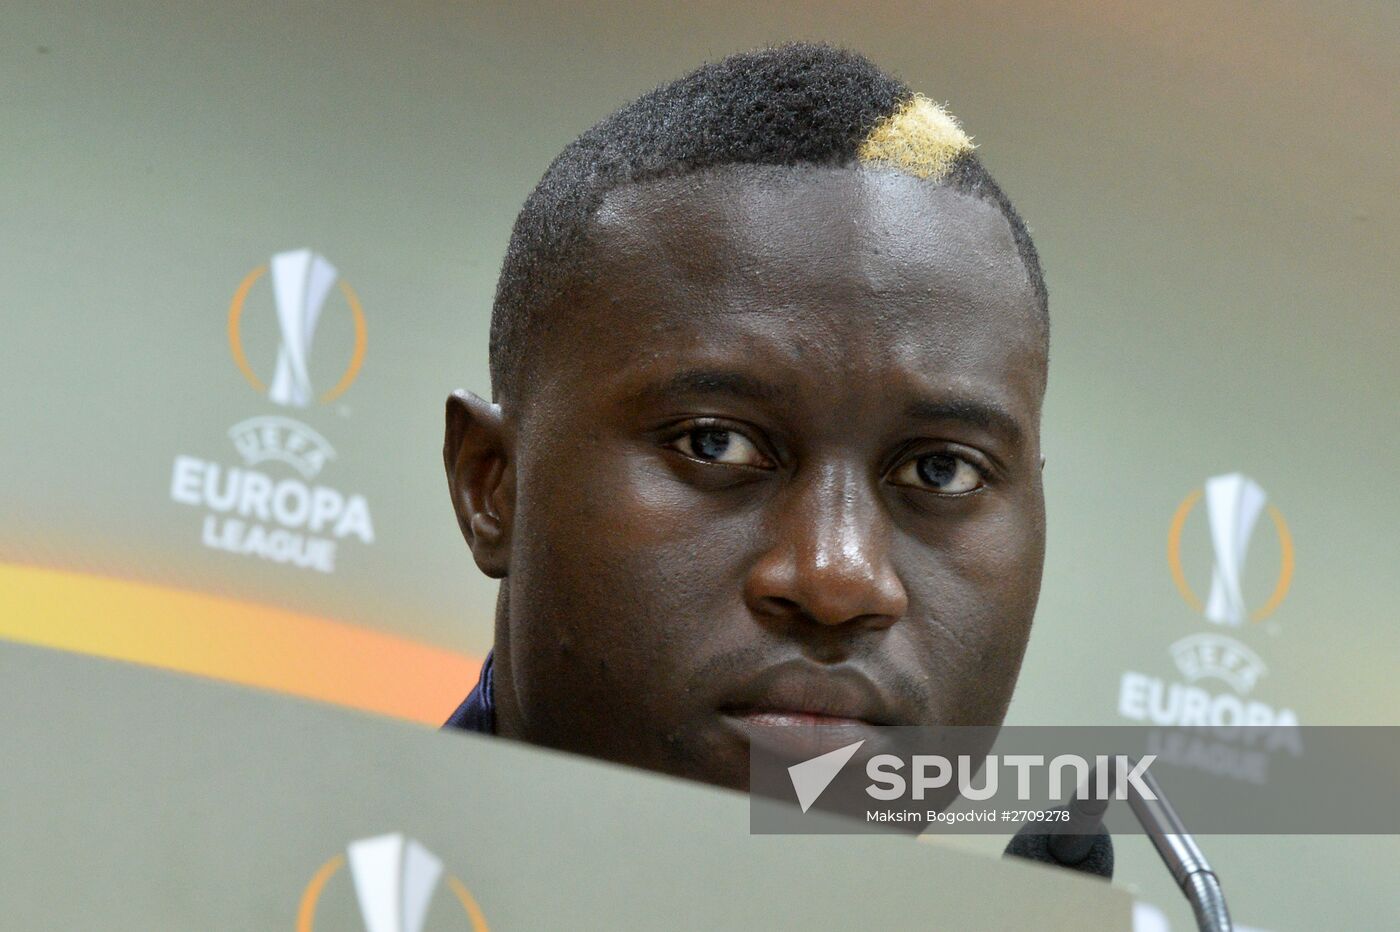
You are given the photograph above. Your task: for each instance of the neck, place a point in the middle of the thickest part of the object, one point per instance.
(503, 696)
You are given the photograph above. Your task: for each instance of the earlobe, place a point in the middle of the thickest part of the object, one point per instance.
(477, 455)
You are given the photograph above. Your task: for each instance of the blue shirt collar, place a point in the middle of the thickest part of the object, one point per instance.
(478, 711)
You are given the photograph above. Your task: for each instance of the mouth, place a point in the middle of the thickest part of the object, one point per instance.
(802, 707)
(793, 718)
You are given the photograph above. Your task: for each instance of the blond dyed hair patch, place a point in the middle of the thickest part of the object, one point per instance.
(794, 105)
(920, 138)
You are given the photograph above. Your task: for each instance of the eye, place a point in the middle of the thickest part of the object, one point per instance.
(943, 473)
(714, 444)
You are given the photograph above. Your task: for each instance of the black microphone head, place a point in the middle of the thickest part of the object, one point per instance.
(1034, 844)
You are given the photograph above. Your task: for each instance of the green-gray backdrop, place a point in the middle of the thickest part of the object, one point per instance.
(1212, 188)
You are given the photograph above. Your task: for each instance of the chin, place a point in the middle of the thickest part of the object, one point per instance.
(715, 758)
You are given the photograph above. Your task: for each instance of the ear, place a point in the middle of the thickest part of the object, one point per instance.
(481, 478)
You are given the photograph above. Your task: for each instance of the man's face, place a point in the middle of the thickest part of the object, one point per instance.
(779, 465)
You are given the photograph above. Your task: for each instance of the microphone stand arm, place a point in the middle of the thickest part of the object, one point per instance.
(1182, 856)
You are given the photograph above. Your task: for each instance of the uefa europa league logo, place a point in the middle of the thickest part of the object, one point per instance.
(1234, 503)
(301, 283)
(395, 878)
(394, 882)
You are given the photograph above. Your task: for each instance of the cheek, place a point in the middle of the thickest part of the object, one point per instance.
(662, 541)
(1000, 553)
(633, 574)
(975, 603)
(1002, 556)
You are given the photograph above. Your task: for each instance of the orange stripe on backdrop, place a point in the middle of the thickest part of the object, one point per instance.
(241, 642)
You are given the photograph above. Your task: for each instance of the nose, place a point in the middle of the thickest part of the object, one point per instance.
(830, 558)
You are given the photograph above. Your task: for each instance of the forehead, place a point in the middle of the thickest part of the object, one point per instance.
(870, 275)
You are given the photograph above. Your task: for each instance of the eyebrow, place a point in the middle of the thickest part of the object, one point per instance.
(986, 416)
(989, 417)
(712, 382)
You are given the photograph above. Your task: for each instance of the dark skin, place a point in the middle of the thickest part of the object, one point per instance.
(776, 463)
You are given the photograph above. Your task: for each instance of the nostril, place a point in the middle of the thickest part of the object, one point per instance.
(777, 606)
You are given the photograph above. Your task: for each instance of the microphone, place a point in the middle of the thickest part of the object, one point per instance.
(1079, 842)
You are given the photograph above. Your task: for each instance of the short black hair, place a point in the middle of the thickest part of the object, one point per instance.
(795, 104)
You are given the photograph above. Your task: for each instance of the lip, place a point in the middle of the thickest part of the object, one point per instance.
(797, 710)
(785, 718)
(795, 741)
(800, 693)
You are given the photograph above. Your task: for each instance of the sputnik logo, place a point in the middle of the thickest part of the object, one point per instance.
(811, 777)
